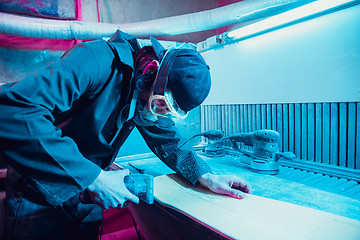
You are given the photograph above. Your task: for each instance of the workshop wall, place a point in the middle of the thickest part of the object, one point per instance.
(301, 80)
(312, 61)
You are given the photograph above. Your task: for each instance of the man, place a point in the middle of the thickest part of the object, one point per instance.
(62, 127)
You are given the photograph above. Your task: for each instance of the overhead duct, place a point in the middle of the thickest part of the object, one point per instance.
(223, 16)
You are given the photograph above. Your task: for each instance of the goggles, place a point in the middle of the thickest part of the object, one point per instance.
(165, 106)
(161, 101)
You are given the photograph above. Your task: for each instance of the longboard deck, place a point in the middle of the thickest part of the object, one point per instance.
(253, 217)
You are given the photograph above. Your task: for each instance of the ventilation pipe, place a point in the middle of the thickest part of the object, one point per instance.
(243, 11)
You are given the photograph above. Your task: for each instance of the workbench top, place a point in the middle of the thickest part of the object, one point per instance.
(278, 187)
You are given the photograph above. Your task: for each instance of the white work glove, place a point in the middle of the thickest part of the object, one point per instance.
(109, 190)
(230, 185)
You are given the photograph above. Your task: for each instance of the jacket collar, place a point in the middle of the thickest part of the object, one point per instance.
(125, 45)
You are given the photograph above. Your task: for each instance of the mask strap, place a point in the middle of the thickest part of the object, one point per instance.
(161, 79)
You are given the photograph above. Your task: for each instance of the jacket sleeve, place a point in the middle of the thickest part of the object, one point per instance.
(163, 139)
(30, 142)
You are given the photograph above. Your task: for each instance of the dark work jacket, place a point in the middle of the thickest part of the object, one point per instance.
(59, 126)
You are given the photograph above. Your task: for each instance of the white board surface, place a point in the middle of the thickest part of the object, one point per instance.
(253, 217)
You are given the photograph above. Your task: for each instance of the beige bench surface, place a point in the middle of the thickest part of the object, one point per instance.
(254, 217)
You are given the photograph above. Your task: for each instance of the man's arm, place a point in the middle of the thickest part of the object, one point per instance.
(230, 185)
(109, 190)
(164, 140)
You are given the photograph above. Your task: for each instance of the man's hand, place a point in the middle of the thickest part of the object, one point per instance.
(109, 190)
(226, 184)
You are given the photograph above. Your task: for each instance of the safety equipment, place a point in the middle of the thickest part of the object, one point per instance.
(165, 106)
(161, 100)
(185, 74)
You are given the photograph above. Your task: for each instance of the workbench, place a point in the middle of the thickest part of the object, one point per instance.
(181, 224)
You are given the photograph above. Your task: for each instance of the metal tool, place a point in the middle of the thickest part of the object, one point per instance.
(213, 134)
(141, 185)
(265, 155)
